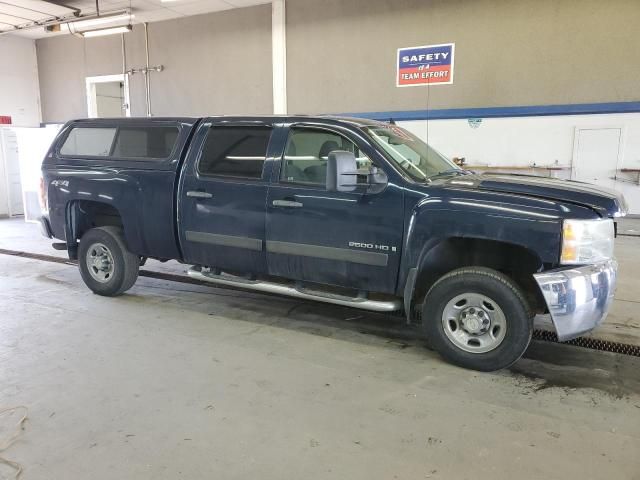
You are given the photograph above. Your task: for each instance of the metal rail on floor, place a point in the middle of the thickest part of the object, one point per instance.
(591, 343)
(544, 335)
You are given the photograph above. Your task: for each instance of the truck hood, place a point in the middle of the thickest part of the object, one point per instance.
(607, 202)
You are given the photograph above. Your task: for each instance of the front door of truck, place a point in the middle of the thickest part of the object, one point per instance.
(222, 195)
(348, 239)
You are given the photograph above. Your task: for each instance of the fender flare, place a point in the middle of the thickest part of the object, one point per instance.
(409, 289)
(72, 220)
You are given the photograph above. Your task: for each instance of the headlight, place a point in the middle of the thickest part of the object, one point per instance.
(586, 241)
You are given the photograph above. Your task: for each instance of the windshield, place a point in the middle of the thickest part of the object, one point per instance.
(409, 153)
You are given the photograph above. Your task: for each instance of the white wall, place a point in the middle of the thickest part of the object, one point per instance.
(523, 141)
(19, 92)
(19, 88)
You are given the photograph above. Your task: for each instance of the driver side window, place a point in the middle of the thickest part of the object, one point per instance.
(307, 152)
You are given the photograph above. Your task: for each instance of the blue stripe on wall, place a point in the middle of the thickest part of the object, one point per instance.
(496, 112)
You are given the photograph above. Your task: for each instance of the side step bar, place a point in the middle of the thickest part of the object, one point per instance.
(296, 291)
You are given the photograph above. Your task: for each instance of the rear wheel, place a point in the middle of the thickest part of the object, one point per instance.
(477, 318)
(107, 267)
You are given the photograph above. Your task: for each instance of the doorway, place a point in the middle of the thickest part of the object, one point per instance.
(596, 155)
(108, 96)
(10, 186)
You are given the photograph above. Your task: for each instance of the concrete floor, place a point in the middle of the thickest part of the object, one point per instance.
(181, 381)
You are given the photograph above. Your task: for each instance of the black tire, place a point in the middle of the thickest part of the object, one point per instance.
(517, 318)
(125, 264)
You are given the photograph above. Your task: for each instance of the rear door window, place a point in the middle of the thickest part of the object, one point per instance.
(88, 141)
(235, 151)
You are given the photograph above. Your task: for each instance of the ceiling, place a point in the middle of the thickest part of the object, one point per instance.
(20, 12)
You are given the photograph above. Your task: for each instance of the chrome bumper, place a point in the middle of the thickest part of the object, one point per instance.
(578, 298)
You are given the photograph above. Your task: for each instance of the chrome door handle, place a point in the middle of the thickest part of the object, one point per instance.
(286, 203)
(198, 194)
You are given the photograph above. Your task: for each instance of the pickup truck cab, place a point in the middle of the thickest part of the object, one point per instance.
(340, 210)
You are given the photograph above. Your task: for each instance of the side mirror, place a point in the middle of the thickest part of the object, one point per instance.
(376, 180)
(341, 171)
(343, 175)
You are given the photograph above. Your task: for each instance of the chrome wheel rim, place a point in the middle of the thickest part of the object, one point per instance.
(99, 261)
(474, 323)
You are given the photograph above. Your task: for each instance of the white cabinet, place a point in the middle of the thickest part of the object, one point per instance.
(22, 150)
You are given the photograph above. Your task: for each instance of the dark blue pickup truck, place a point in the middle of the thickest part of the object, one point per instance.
(340, 210)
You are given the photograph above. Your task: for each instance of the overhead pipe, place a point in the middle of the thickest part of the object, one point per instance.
(75, 15)
(76, 10)
(146, 70)
(125, 74)
(22, 7)
(45, 23)
(124, 55)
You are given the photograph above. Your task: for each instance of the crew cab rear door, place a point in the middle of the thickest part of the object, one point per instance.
(347, 239)
(222, 194)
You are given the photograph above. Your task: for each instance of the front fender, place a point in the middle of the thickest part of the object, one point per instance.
(531, 223)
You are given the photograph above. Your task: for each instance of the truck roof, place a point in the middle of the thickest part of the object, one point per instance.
(191, 120)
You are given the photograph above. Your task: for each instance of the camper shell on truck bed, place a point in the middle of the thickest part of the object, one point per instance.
(341, 210)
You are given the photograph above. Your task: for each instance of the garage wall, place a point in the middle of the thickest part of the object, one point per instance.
(578, 56)
(341, 57)
(545, 141)
(508, 53)
(218, 63)
(63, 64)
(19, 90)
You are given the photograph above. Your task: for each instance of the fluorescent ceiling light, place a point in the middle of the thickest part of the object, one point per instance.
(101, 20)
(86, 23)
(106, 31)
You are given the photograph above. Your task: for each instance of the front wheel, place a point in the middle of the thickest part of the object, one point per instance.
(477, 318)
(107, 267)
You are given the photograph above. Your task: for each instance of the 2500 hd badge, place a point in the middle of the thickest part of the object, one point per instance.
(372, 246)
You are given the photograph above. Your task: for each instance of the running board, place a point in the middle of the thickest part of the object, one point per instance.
(296, 291)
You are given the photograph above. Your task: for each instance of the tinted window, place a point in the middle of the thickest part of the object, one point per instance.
(145, 142)
(90, 141)
(235, 151)
(305, 159)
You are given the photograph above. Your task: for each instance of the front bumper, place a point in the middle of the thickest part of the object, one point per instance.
(578, 298)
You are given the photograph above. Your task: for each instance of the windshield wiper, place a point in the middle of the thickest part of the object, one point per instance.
(455, 171)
